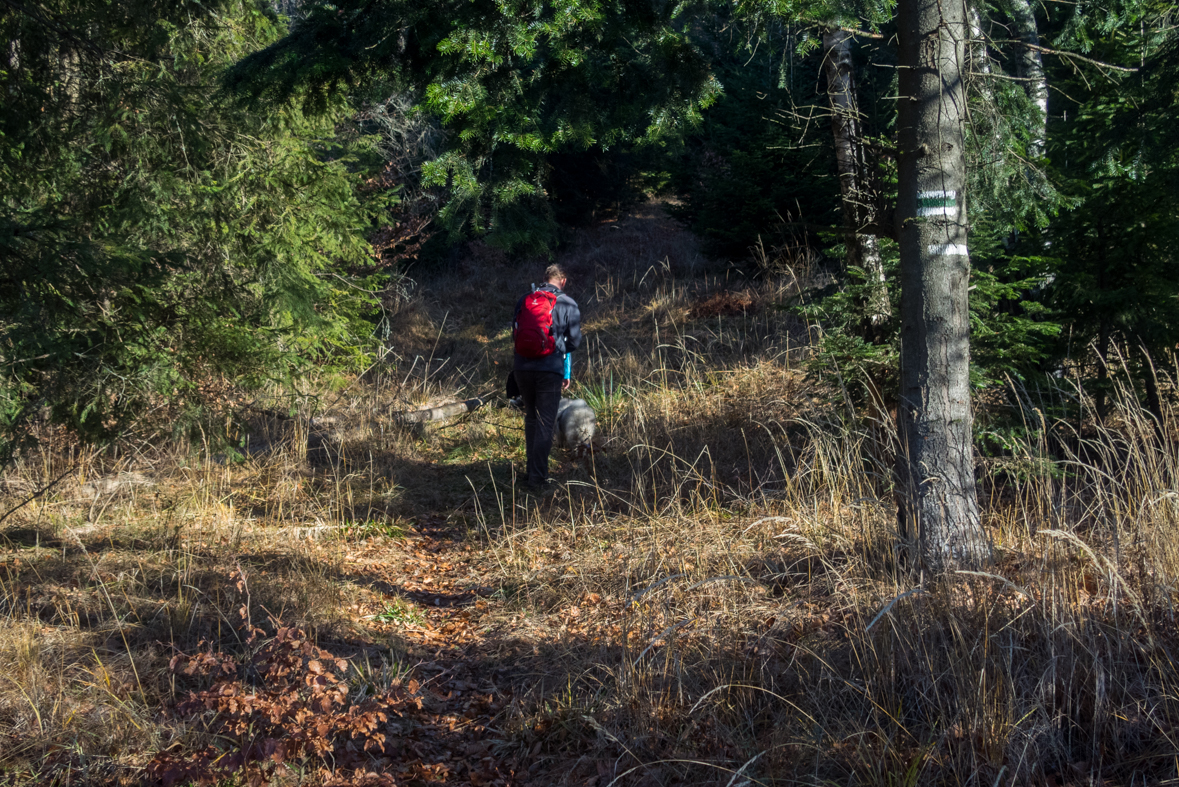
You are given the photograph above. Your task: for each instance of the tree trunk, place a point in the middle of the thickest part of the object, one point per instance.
(1030, 67)
(935, 465)
(1154, 402)
(980, 58)
(1101, 401)
(859, 210)
(1103, 333)
(980, 74)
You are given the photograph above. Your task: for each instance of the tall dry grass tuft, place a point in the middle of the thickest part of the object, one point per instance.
(791, 637)
(113, 571)
(771, 633)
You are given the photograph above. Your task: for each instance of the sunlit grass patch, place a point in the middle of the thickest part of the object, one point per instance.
(399, 611)
(373, 528)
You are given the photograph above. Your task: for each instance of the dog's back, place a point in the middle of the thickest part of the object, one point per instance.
(576, 424)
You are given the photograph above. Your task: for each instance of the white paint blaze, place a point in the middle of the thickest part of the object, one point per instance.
(949, 250)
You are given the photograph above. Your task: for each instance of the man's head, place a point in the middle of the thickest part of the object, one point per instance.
(555, 276)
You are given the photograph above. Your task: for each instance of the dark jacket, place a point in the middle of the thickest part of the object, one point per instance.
(566, 330)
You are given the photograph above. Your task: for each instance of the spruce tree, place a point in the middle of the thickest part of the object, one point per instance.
(1114, 141)
(154, 240)
(512, 83)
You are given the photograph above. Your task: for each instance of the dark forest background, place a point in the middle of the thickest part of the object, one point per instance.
(204, 195)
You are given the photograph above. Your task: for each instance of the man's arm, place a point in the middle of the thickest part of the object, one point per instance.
(572, 326)
(516, 314)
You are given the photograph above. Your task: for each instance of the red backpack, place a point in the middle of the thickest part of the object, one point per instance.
(534, 325)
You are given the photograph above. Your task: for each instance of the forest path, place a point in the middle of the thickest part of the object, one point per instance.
(484, 594)
(430, 676)
(450, 713)
(488, 633)
(358, 605)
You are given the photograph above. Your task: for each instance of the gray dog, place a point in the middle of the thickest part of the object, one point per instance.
(576, 424)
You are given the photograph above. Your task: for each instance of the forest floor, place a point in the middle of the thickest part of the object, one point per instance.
(716, 597)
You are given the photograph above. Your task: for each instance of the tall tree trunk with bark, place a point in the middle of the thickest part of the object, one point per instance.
(1030, 67)
(1154, 403)
(980, 66)
(935, 465)
(859, 204)
(1103, 331)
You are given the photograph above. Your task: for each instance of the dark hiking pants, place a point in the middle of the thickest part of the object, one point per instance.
(542, 394)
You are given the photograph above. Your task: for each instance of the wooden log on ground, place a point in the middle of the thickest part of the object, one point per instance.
(441, 412)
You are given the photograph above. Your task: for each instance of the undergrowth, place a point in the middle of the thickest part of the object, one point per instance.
(717, 596)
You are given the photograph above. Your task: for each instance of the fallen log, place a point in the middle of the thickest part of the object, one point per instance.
(440, 412)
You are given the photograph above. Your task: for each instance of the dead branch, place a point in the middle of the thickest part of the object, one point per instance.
(1070, 55)
(440, 412)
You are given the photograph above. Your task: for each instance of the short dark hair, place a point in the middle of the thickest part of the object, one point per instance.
(554, 273)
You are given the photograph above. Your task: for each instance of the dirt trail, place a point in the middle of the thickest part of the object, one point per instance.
(373, 607)
(470, 665)
(430, 711)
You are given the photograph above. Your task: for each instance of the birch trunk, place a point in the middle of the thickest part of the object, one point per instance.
(1030, 67)
(859, 210)
(980, 82)
(935, 464)
(980, 58)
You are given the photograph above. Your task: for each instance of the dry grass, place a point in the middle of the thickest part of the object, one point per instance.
(717, 598)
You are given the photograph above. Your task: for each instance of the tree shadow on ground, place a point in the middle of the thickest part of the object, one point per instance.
(509, 686)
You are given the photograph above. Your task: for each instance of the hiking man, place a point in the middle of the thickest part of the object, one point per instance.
(546, 329)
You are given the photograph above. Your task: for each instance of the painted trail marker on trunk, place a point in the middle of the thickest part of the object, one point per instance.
(937, 203)
(949, 249)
